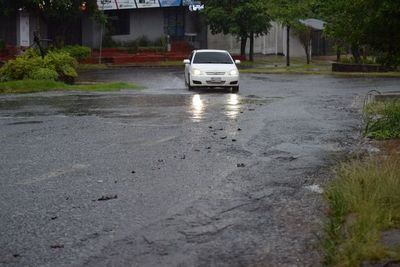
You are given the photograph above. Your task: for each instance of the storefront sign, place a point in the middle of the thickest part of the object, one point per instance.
(167, 3)
(193, 5)
(147, 3)
(116, 4)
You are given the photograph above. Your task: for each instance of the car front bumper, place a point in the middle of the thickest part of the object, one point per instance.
(214, 81)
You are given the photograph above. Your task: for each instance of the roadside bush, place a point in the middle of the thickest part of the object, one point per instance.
(363, 201)
(78, 52)
(20, 68)
(31, 66)
(2, 45)
(42, 74)
(351, 60)
(383, 120)
(109, 42)
(388, 60)
(143, 41)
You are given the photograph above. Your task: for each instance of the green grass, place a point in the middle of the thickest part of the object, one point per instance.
(31, 86)
(294, 69)
(364, 200)
(83, 67)
(382, 120)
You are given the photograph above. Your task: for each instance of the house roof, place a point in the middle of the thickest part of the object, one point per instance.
(314, 23)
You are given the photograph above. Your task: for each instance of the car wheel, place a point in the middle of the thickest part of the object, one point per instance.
(188, 84)
(235, 89)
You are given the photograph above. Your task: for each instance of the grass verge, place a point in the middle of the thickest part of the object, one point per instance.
(314, 68)
(33, 86)
(383, 120)
(364, 201)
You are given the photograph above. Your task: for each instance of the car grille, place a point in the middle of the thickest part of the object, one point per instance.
(215, 73)
(215, 82)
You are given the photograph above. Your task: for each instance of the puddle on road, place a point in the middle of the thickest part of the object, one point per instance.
(198, 106)
(231, 105)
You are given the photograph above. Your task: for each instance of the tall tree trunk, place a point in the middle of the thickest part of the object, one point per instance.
(338, 54)
(287, 45)
(355, 50)
(251, 57)
(243, 42)
(307, 49)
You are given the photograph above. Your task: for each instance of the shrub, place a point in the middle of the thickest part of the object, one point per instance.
(351, 60)
(383, 121)
(43, 74)
(143, 41)
(2, 45)
(19, 68)
(78, 52)
(64, 64)
(31, 66)
(108, 41)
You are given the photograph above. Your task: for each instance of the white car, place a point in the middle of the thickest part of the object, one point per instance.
(211, 68)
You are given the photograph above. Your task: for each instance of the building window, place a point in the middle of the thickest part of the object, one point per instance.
(118, 22)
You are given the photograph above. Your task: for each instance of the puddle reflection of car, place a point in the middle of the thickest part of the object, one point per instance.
(211, 68)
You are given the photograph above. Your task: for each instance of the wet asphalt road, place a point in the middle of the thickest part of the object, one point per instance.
(167, 177)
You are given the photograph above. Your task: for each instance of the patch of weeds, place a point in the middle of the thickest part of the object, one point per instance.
(363, 201)
(33, 86)
(383, 120)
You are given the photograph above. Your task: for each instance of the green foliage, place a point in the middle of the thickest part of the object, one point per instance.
(109, 42)
(64, 64)
(31, 66)
(143, 41)
(78, 52)
(20, 68)
(241, 18)
(42, 74)
(383, 120)
(237, 17)
(2, 45)
(363, 202)
(365, 23)
(32, 86)
(352, 60)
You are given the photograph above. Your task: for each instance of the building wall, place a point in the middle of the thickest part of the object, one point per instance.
(144, 22)
(8, 33)
(90, 33)
(272, 43)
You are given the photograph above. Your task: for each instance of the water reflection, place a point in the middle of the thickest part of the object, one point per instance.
(197, 108)
(230, 104)
(232, 107)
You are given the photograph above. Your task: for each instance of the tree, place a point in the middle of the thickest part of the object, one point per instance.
(365, 23)
(58, 13)
(244, 19)
(289, 13)
(304, 34)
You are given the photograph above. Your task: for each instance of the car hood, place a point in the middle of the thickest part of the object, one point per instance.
(214, 67)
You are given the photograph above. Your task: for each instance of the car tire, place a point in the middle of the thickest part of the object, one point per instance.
(235, 89)
(188, 84)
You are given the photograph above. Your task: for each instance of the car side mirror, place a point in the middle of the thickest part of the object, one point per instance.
(237, 61)
(186, 61)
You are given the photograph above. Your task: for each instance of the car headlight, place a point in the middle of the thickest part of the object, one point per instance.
(196, 72)
(233, 73)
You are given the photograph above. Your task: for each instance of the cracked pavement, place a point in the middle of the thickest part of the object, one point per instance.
(167, 177)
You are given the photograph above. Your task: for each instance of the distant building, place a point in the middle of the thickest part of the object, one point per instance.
(179, 20)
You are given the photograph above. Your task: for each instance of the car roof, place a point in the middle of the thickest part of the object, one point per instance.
(211, 50)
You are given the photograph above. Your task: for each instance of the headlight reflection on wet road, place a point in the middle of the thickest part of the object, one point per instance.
(197, 108)
(231, 104)
(232, 107)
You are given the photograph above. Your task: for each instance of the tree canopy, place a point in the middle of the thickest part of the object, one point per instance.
(369, 23)
(51, 10)
(244, 19)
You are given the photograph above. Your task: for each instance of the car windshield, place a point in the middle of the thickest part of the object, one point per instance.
(212, 58)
